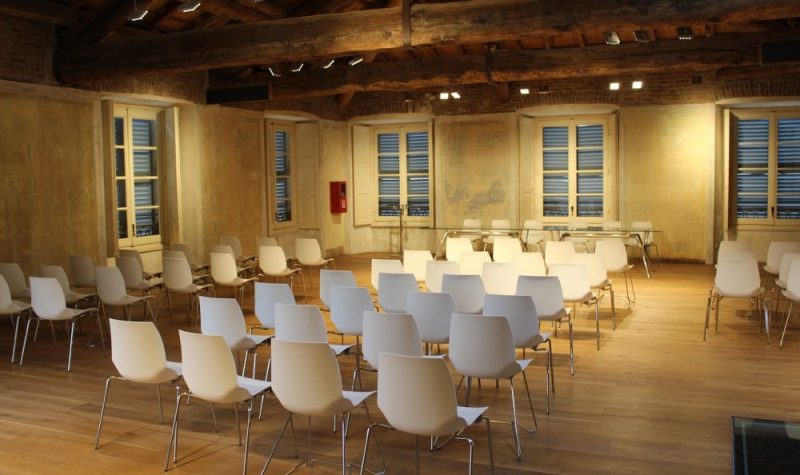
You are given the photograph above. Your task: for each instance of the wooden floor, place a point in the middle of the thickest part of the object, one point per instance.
(654, 399)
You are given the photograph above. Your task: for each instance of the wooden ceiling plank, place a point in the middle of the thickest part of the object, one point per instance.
(376, 30)
(233, 10)
(41, 10)
(102, 22)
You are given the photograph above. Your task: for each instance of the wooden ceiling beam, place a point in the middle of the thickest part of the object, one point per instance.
(376, 30)
(232, 9)
(102, 22)
(508, 66)
(41, 10)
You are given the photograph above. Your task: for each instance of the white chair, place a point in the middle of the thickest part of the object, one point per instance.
(504, 248)
(391, 266)
(415, 262)
(224, 273)
(224, 317)
(267, 241)
(81, 271)
(792, 293)
(549, 300)
(574, 280)
(71, 297)
(577, 241)
(309, 254)
(726, 248)
(394, 333)
(348, 305)
(615, 258)
(534, 235)
(598, 279)
(455, 246)
(434, 270)
(524, 322)
(267, 295)
(139, 357)
(15, 279)
(186, 249)
(236, 246)
(416, 396)
(12, 309)
(775, 253)
(432, 312)
(471, 262)
(303, 323)
(530, 263)
(199, 276)
(134, 277)
(329, 278)
(736, 278)
(306, 381)
(242, 269)
(467, 292)
(47, 300)
(178, 279)
(559, 252)
(210, 374)
(112, 293)
(647, 237)
(499, 278)
(393, 289)
(134, 254)
(272, 262)
(482, 346)
(783, 275)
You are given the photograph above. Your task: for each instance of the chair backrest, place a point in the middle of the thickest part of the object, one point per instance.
(266, 296)
(574, 280)
(187, 252)
(177, 274)
(434, 270)
(793, 279)
(348, 305)
(728, 247)
(5, 293)
(392, 291)
(481, 345)
(472, 224)
(417, 395)
(520, 311)
(234, 243)
(393, 266)
(454, 246)
(267, 241)
(306, 378)
(222, 317)
(559, 252)
(529, 263)
(467, 292)
(395, 333)
(501, 224)
(612, 225)
(545, 291)
(431, 312)
(131, 271)
(208, 366)
(613, 253)
(223, 267)
(786, 263)
(132, 253)
(596, 268)
(505, 247)
(328, 278)
(499, 278)
(271, 260)
(81, 271)
(414, 262)
(110, 284)
(137, 350)
(471, 262)
(299, 323)
(223, 249)
(47, 297)
(173, 254)
(776, 251)
(58, 273)
(737, 277)
(307, 250)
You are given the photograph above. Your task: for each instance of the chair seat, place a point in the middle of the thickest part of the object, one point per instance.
(253, 387)
(171, 372)
(237, 282)
(248, 342)
(320, 262)
(127, 300)
(14, 308)
(621, 270)
(469, 415)
(754, 293)
(144, 285)
(192, 288)
(536, 340)
(339, 349)
(283, 273)
(72, 297)
(581, 299)
(67, 314)
(357, 398)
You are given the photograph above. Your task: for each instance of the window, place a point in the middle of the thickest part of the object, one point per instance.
(281, 167)
(137, 153)
(765, 159)
(403, 160)
(573, 157)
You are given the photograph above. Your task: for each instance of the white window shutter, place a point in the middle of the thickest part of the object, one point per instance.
(309, 189)
(362, 176)
(526, 174)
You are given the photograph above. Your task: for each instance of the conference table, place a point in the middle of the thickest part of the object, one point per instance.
(559, 233)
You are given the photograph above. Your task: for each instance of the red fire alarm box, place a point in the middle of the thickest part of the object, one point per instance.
(338, 197)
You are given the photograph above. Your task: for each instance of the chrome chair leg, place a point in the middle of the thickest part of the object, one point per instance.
(102, 412)
(275, 445)
(786, 324)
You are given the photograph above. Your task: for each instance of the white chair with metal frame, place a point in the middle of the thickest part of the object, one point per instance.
(391, 266)
(224, 273)
(505, 247)
(775, 253)
(644, 229)
(15, 279)
(393, 289)
(266, 296)
(81, 272)
(792, 293)
(223, 317)
(186, 249)
(432, 312)
(348, 305)
(727, 248)
(499, 277)
(134, 254)
(736, 277)
(238, 252)
(309, 254)
(243, 270)
(13, 310)
(178, 279)
(530, 263)
(394, 333)
(454, 246)
(534, 234)
(272, 262)
(574, 280)
(329, 278)
(415, 262)
(304, 323)
(134, 277)
(112, 293)
(467, 292)
(598, 279)
(783, 275)
(471, 262)
(71, 297)
(559, 252)
(549, 300)
(615, 258)
(435, 270)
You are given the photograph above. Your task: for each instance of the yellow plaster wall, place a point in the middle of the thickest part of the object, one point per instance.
(334, 166)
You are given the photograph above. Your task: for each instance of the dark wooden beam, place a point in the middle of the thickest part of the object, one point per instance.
(41, 10)
(103, 21)
(376, 30)
(237, 95)
(343, 100)
(788, 70)
(232, 9)
(508, 66)
(503, 92)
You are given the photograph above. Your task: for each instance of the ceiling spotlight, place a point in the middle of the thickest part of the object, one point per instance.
(544, 90)
(138, 14)
(524, 91)
(328, 64)
(455, 95)
(685, 33)
(637, 85)
(297, 67)
(641, 36)
(613, 86)
(273, 72)
(611, 37)
(355, 60)
(190, 5)
(444, 96)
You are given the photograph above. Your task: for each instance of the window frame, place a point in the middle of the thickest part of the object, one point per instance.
(403, 130)
(273, 126)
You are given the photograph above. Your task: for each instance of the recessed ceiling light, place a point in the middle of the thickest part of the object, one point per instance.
(138, 14)
(611, 37)
(273, 72)
(524, 91)
(328, 64)
(613, 86)
(190, 5)
(455, 95)
(355, 60)
(685, 33)
(444, 96)
(637, 84)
